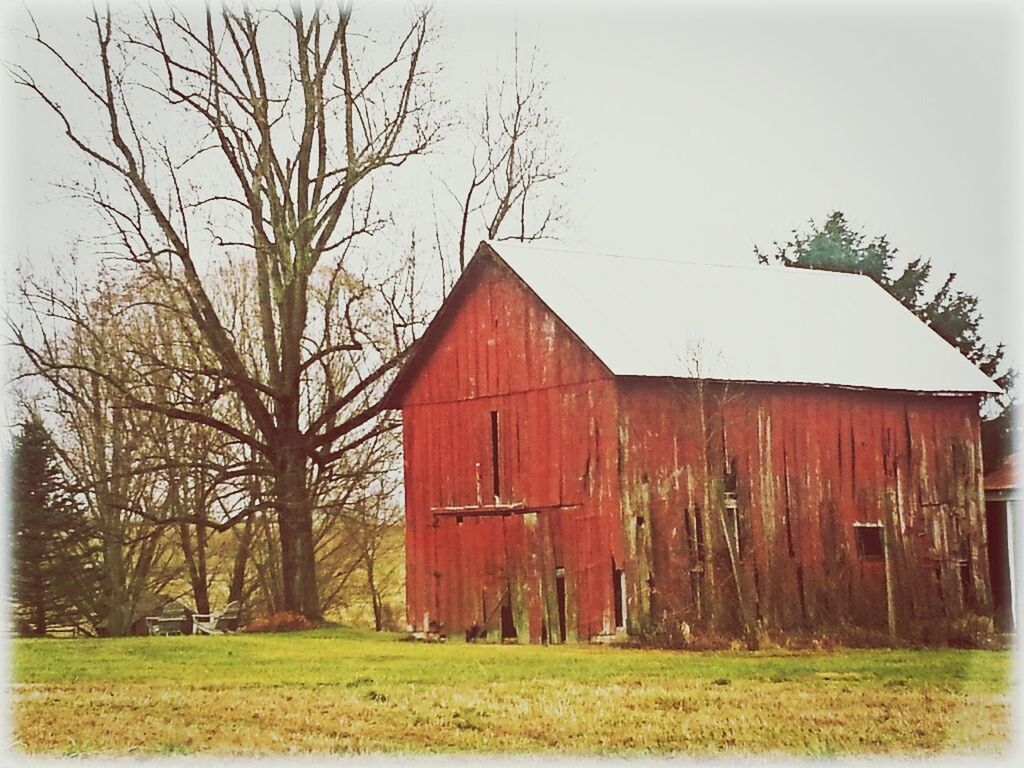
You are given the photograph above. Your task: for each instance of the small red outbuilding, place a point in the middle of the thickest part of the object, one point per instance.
(1002, 505)
(597, 445)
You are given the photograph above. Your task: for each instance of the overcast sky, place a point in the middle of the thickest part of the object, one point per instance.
(697, 131)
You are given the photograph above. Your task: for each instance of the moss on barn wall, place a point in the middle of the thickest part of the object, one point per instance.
(801, 465)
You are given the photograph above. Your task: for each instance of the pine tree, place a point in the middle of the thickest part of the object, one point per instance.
(951, 313)
(55, 573)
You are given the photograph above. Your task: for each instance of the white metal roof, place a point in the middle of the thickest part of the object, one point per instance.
(657, 317)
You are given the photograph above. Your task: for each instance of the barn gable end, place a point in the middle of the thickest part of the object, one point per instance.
(511, 484)
(492, 336)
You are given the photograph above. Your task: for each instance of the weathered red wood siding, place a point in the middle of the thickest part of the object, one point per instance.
(502, 350)
(809, 461)
(632, 473)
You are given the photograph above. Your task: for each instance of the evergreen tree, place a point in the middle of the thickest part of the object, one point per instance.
(999, 436)
(951, 313)
(55, 573)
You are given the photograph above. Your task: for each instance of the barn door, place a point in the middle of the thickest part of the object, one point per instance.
(499, 575)
(474, 574)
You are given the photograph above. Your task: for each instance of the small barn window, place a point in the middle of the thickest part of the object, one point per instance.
(508, 623)
(619, 596)
(495, 471)
(870, 545)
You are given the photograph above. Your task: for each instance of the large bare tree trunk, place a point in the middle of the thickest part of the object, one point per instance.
(118, 609)
(295, 525)
(195, 560)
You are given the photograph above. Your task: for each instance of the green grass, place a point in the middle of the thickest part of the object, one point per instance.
(356, 691)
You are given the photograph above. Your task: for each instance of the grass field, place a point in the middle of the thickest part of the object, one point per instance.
(354, 691)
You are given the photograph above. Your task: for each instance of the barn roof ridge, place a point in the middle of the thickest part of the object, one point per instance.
(497, 245)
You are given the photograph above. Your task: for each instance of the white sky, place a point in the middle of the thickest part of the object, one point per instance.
(696, 131)
(701, 130)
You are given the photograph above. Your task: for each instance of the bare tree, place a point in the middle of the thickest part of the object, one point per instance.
(207, 474)
(711, 401)
(106, 447)
(274, 127)
(380, 544)
(515, 160)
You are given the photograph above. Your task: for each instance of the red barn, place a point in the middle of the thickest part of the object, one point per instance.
(600, 445)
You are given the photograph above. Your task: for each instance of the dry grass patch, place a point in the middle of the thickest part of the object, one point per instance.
(338, 691)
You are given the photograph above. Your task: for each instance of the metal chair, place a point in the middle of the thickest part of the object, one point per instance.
(218, 623)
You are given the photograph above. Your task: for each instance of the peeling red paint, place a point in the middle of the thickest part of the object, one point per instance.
(597, 473)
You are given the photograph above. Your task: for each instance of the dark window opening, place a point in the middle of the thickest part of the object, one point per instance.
(508, 624)
(785, 508)
(560, 597)
(698, 533)
(495, 472)
(458, 519)
(853, 459)
(619, 596)
(729, 478)
(639, 522)
(999, 541)
(870, 544)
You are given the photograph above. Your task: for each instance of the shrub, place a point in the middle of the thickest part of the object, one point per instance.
(970, 631)
(283, 621)
(666, 633)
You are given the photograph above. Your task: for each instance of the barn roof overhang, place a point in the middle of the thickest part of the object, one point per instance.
(1003, 479)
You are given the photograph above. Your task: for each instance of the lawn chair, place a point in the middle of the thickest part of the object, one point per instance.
(174, 619)
(218, 623)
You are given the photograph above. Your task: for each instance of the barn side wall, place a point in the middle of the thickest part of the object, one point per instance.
(801, 465)
(503, 351)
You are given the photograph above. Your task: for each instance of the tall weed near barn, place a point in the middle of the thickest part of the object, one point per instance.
(351, 691)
